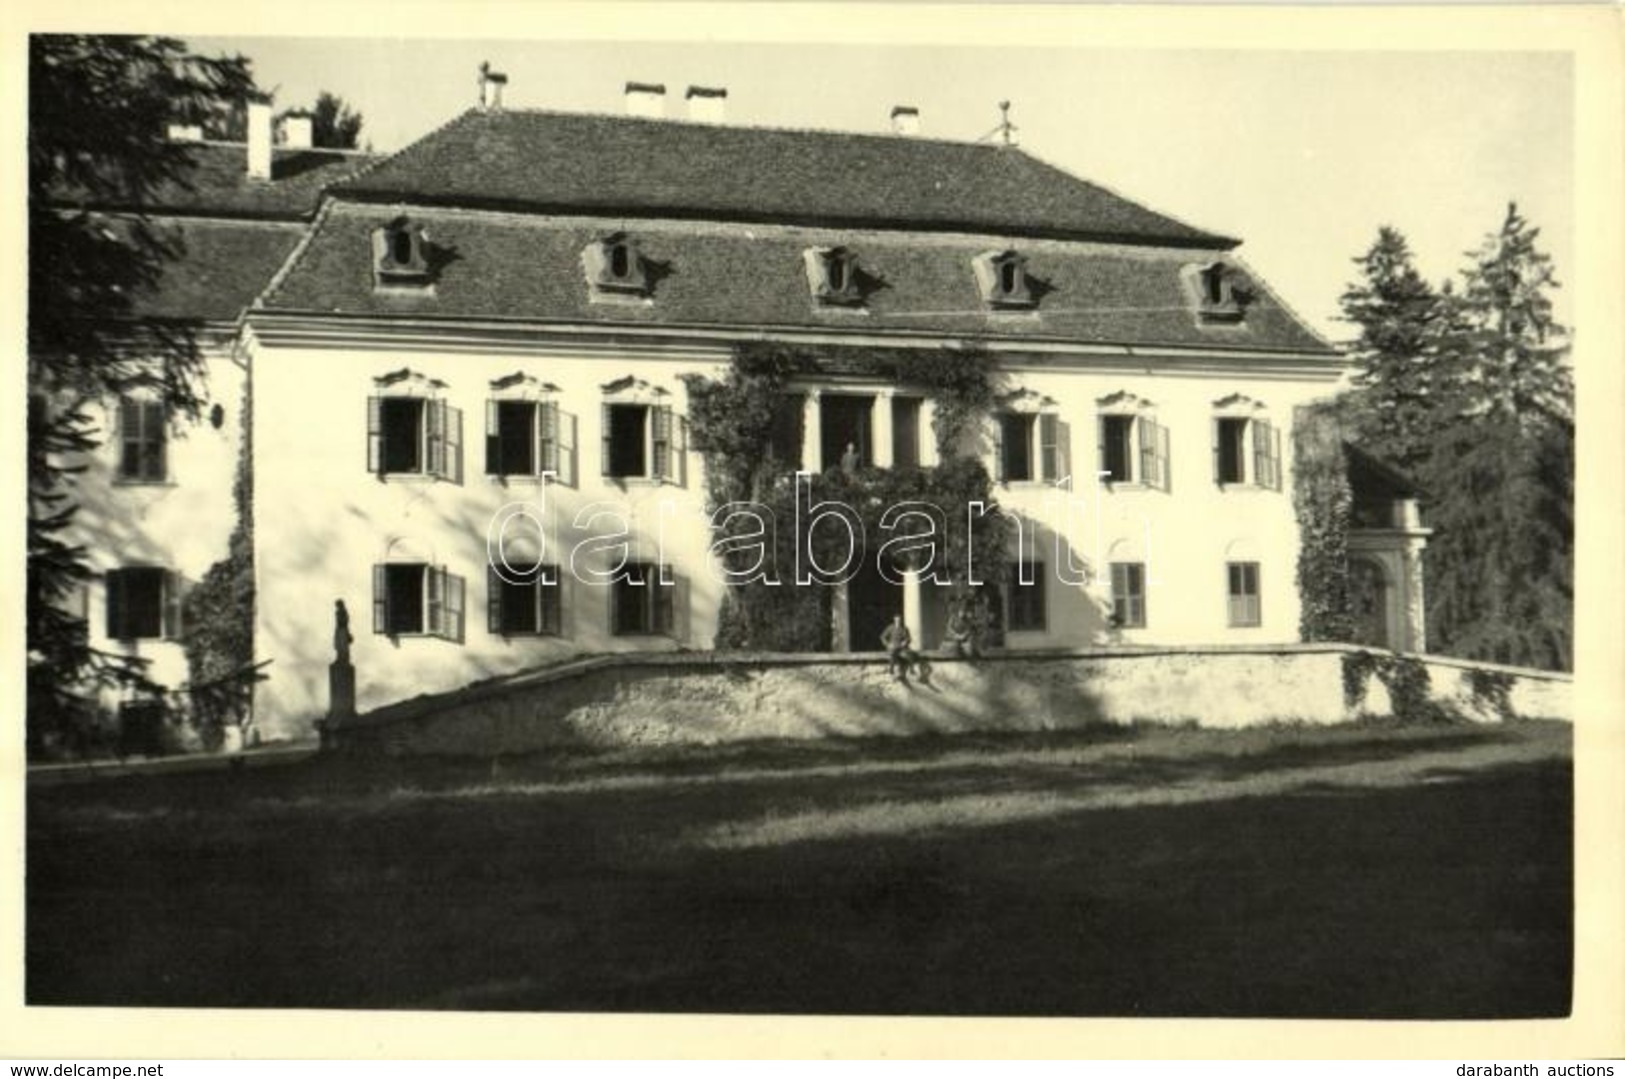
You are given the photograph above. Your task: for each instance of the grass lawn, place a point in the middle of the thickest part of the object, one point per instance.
(1348, 872)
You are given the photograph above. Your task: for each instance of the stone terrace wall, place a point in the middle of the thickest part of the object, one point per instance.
(615, 701)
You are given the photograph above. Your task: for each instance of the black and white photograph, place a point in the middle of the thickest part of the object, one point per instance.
(665, 524)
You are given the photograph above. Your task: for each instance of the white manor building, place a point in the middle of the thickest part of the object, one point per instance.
(519, 294)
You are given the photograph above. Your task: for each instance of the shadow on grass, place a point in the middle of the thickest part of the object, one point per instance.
(292, 890)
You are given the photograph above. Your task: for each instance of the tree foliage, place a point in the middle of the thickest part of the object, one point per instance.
(99, 109)
(336, 125)
(1471, 391)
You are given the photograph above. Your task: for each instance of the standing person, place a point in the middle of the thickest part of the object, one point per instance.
(849, 459)
(897, 640)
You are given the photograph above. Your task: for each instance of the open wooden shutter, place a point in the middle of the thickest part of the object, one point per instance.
(998, 448)
(493, 440)
(493, 601)
(1049, 450)
(1261, 453)
(1165, 468)
(1218, 466)
(1101, 459)
(606, 416)
(155, 439)
(662, 431)
(548, 615)
(547, 438)
(116, 605)
(380, 600)
(375, 435)
(454, 443)
(127, 433)
(435, 581)
(662, 595)
(456, 596)
(569, 459)
(1147, 432)
(174, 590)
(1275, 458)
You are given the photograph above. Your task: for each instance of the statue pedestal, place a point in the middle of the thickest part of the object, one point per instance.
(340, 689)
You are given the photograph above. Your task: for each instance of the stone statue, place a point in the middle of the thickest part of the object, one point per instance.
(341, 631)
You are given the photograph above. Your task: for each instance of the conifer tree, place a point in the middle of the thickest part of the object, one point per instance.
(98, 111)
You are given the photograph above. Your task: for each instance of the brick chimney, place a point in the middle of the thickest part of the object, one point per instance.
(905, 120)
(491, 84)
(647, 99)
(259, 140)
(707, 104)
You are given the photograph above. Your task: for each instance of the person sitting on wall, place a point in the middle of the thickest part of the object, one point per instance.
(896, 638)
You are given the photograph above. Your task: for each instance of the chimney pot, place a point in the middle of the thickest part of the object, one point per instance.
(646, 99)
(297, 130)
(259, 140)
(707, 104)
(905, 120)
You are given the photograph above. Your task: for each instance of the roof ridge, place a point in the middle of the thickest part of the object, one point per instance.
(384, 159)
(680, 121)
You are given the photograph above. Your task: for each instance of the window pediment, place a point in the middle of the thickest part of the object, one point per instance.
(1025, 400)
(520, 385)
(1239, 404)
(1124, 401)
(408, 381)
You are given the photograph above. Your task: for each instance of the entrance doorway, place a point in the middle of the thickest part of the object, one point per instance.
(871, 600)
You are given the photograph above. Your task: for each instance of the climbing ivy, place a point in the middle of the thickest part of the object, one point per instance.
(1323, 502)
(731, 421)
(218, 614)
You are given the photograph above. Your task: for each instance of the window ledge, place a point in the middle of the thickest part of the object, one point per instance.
(124, 481)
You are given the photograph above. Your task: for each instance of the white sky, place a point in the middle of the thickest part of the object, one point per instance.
(1300, 154)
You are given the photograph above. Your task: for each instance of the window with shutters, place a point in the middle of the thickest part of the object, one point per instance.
(525, 604)
(143, 441)
(1242, 583)
(1246, 451)
(1030, 441)
(1025, 601)
(1128, 595)
(414, 434)
(644, 441)
(415, 599)
(143, 603)
(644, 601)
(846, 436)
(528, 438)
(1133, 446)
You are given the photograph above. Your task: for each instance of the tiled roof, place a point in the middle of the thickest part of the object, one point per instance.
(583, 163)
(220, 186)
(225, 264)
(527, 267)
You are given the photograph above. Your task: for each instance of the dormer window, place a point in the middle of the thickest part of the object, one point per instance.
(1002, 276)
(832, 274)
(1221, 294)
(615, 267)
(399, 251)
